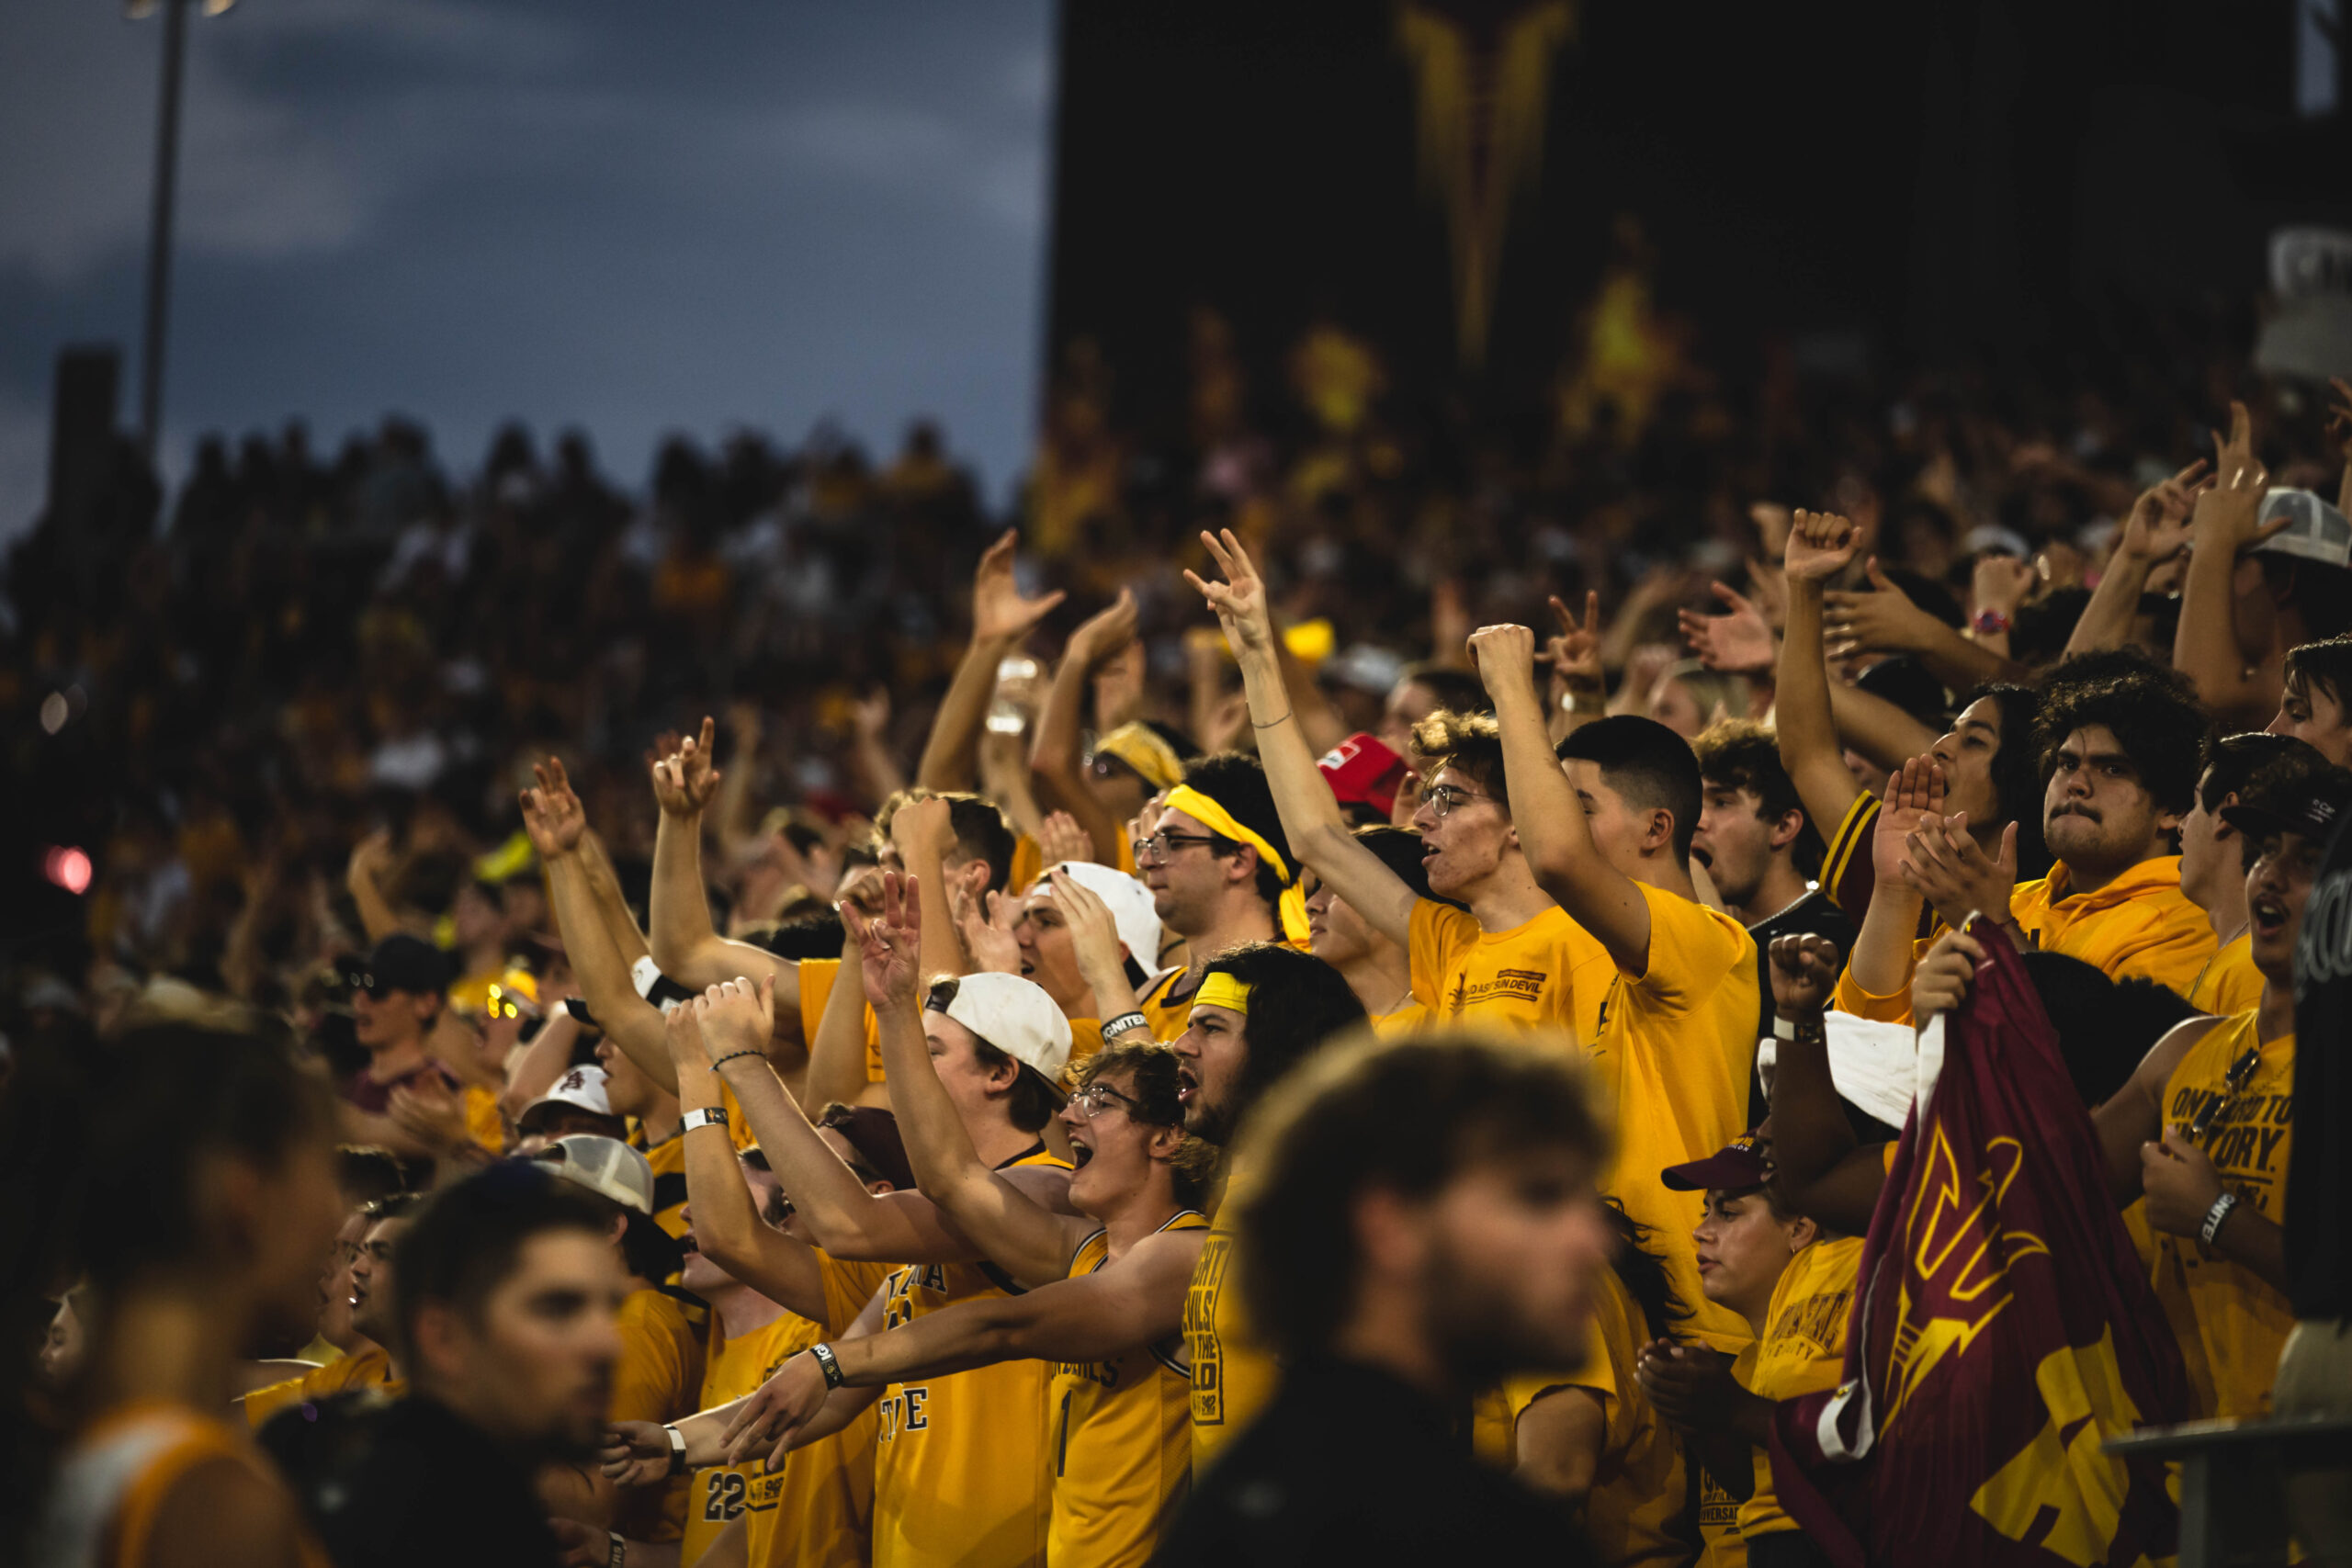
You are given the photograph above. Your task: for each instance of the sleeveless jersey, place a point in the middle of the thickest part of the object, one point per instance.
(1123, 1440)
(962, 1472)
(2241, 1323)
(1233, 1375)
(113, 1481)
(818, 1511)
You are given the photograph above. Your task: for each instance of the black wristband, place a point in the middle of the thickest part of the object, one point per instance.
(828, 1363)
(1124, 1022)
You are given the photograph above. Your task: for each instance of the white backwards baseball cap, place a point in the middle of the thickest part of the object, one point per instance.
(606, 1167)
(1016, 1016)
(581, 1086)
(1129, 901)
(2316, 531)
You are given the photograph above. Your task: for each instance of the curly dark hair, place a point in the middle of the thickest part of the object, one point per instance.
(1296, 1002)
(1470, 743)
(2152, 711)
(1150, 1070)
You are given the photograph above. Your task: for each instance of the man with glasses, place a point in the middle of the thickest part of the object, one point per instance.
(1515, 957)
(1221, 873)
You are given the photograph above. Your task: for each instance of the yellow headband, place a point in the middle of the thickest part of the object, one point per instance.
(1217, 819)
(1141, 748)
(1222, 990)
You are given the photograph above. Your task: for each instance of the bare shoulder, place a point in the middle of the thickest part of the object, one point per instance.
(224, 1513)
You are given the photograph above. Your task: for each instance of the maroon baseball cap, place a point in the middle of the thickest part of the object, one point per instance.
(1363, 771)
(1739, 1165)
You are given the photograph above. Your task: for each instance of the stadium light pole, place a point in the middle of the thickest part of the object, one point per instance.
(159, 222)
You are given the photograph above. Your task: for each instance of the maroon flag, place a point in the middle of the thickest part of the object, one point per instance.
(2002, 1327)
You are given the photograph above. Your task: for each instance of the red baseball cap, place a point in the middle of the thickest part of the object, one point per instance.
(1739, 1165)
(1363, 772)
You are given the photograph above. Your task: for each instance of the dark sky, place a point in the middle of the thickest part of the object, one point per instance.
(640, 218)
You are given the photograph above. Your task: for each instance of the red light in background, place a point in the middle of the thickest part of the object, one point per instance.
(67, 867)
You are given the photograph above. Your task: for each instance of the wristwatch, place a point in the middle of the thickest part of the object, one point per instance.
(703, 1116)
(677, 1449)
(1990, 622)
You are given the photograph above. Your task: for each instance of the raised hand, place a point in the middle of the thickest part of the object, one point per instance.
(636, 1453)
(1574, 652)
(1821, 544)
(1940, 983)
(682, 1032)
(1944, 865)
(428, 1112)
(2227, 517)
(736, 1015)
(1740, 643)
(1881, 621)
(999, 612)
(1240, 600)
(1804, 971)
(2157, 528)
(2000, 583)
(870, 714)
(552, 814)
(1059, 838)
(891, 941)
(371, 859)
(988, 932)
(1913, 792)
(1504, 657)
(1119, 686)
(1093, 935)
(1104, 633)
(922, 828)
(772, 1414)
(684, 780)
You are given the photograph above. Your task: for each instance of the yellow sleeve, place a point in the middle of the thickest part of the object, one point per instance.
(848, 1287)
(648, 1382)
(1439, 934)
(264, 1402)
(1028, 864)
(2172, 950)
(817, 978)
(1895, 1008)
(1692, 949)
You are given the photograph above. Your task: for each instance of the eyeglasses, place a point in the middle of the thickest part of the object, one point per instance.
(1443, 798)
(1162, 843)
(1097, 1098)
(2233, 1085)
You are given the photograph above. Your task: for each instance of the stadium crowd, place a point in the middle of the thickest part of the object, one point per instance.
(1340, 994)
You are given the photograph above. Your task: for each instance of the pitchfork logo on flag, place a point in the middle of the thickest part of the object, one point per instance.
(2002, 1329)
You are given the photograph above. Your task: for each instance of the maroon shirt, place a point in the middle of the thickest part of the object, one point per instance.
(376, 1099)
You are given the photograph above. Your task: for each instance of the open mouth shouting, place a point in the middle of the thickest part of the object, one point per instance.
(2269, 914)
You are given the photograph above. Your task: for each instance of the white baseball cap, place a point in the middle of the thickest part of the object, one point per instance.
(606, 1167)
(1133, 915)
(580, 1087)
(1016, 1016)
(2316, 531)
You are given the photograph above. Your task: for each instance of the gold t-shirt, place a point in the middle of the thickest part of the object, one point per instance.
(367, 1367)
(1674, 1051)
(1547, 972)
(1232, 1374)
(2241, 1322)
(1123, 1439)
(2229, 984)
(658, 1378)
(1803, 1351)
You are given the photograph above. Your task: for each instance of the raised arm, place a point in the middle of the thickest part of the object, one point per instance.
(846, 1219)
(925, 831)
(1021, 1235)
(1820, 547)
(837, 1055)
(1545, 809)
(1319, 834)
(1822, 1171)
(2225, 524)
(1137, 1301)
(1883, 955)
(1880, 732)
(686, 945)
(1885, 620)
(1055, 760)
(2156, 531)
(728, 1227)
(553, 816)
(1001, 619)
